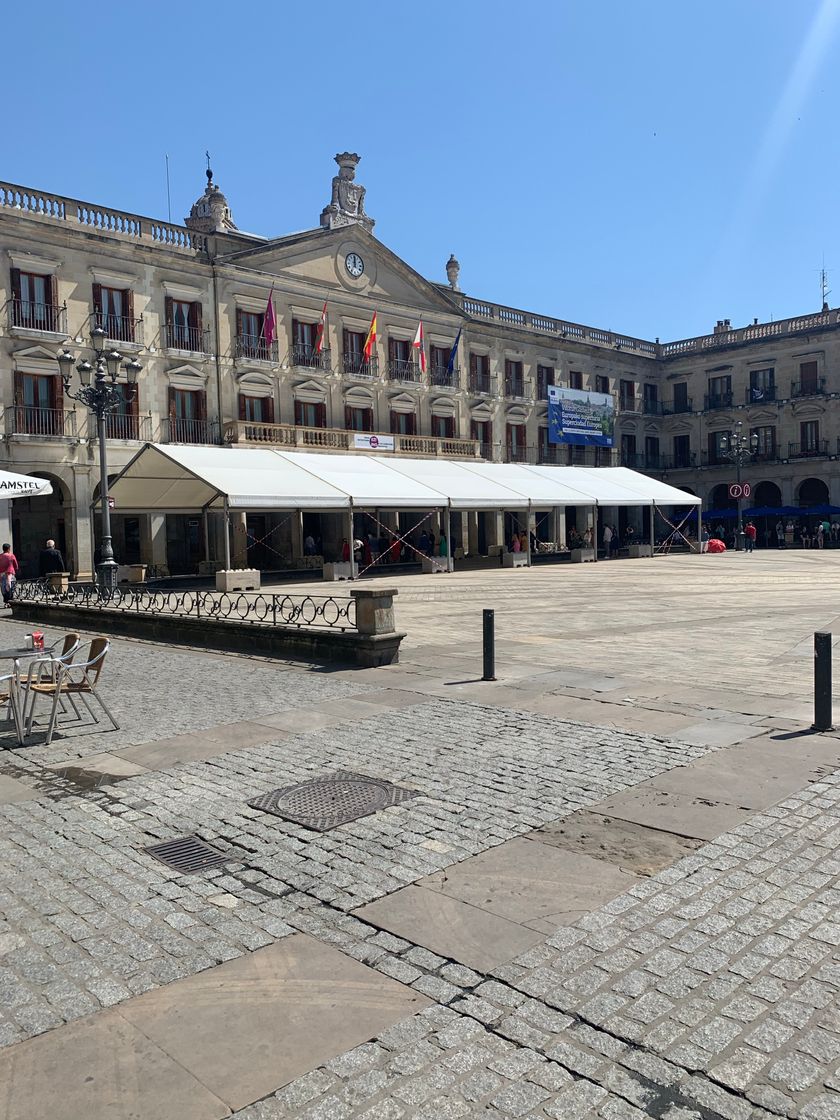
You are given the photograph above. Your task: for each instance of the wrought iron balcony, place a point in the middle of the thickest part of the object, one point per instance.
(652, 408)
(552, 453)
(817, 449)
(674, 408)
(768, 455)
(445, 378)
(357, 365)
(123, 426)
(30, 315)
(176, 336)
(119, 328)
(814, 387)
(516, 453)
(514, 386)
(254, 348)
(717, 400)
(629, 404)
(679, 462)
(479, 383)
(308, 356)
(403, 369)
(758, 394)
(485, 449)
(177, 430)
(31, 420)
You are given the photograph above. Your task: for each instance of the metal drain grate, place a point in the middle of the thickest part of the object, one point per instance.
(187, 854)
(325, 803)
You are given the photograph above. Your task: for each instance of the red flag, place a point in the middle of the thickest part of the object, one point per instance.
(322, 326)
(370, 341)
(269, 320)
(419, 346)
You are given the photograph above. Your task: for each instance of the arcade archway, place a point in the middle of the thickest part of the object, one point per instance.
(36, 520)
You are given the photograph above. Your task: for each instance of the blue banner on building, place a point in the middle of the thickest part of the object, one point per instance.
(575, 416)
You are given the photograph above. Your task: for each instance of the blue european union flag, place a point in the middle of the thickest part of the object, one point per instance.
(453, 353)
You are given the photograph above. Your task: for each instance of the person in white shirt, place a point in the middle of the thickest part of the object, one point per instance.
(608, 535)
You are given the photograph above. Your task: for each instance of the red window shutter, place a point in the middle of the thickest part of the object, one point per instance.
(395, 422)
(321, 414)
(392, 349)
(243, 404)
(510, 435)
(57, 393)
(239, 325)
(296, 333)
(299, 412)
(14, 276)
(172, 392)
(168, 302)
(195, 316)
(201, 401)
(97, 298)
(52, 289)
(348, 417)
(269, 410)
(344, 334)
(368, 420)
(18, 387)
(133, 402)
(129, 305)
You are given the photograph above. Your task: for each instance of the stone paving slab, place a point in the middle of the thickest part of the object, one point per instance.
(533, 884)
(12, 791)
(679, 813)
(450, 927)
(636, 848)
(198, 746)
(247, 1027)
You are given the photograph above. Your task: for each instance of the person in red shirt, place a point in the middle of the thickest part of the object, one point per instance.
(8, 572)
(749, 536)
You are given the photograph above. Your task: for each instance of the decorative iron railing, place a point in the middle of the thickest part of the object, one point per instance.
(324, 612)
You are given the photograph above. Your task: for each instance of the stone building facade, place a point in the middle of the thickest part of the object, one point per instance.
(190, 303)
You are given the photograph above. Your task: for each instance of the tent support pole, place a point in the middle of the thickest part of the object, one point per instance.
(528, 535)
(450, 562)
(227, 536)
(595, 534)
(653, 529)
(205, 523)
(353, 571)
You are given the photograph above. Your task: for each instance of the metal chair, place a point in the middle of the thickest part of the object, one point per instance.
(76, 679)
(10, 696)
(43, 669)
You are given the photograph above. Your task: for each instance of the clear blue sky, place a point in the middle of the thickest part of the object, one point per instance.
(648, 167)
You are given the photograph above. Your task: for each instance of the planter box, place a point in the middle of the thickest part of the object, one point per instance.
(238, 579)
(583, 555)
(59, 581)
(431, 564)
(514, 559)
(339, 570)
(635, 551)
(131, 573)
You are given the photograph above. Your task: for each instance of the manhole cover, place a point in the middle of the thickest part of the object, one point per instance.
(324, 803)
(187, 854)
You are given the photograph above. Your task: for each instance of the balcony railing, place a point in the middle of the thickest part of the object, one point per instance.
(758, 394)
(485, 449)
(403, 369)
(308, 356)
(814, 387)
(119, 328)
(178, 337)
(33, 316)
(339, 439)
(679, 462)
(717, 400)
(30, 420)
(817, 449)
(479, 383)
(514, 387)
(674, 408)
(177, 430)
(254, 348)
(552, 453)
(357, 365)
(516, 453)
(629, 404)
(445, 378)
(768, 455)
(123, 426)
(640, 462)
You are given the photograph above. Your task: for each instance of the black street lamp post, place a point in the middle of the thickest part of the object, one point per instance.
(102, 398)
(738, 448)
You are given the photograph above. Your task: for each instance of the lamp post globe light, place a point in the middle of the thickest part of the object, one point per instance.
(97, 389)
(738, 448)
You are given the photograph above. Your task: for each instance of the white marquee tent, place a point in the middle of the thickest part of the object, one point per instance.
(186, 479)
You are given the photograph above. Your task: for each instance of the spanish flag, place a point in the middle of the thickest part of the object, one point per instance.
(370, 341)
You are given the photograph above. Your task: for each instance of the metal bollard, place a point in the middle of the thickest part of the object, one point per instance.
(822, 682)
(489, 626)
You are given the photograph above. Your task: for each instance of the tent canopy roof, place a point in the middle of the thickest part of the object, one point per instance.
(186, 479)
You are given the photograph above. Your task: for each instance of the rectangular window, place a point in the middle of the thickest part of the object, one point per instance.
(808, 380)
(439, 370)
(602, 383)
(762, 385)
(304, 345)
(483, 432)
(720, 392)
(809, 437)
(480, 373)
(401, 365)
(514, 379)
(311, 414)
(628, 450)
(627, 394)
(545, 377)
(183, 325)
(403, 423)
(39, 404)
(34, 301)
(717, 441)
(354, 355)
(516, 443)
(650, 399)
(250, 336)
(575, 379)
(124, 423)
(682, 451)
(765, 438)
(681, 397)
(652, 453)
(256, 410)
(443, 427)
(113, 310)
(188, 416)
(358, 419)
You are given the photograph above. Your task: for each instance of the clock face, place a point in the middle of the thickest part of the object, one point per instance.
(354, 265)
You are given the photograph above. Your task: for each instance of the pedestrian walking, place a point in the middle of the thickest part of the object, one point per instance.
(704, 540)
(780, 535)
(607, 538)
(50, 560)
(749, 537)
(8, 573)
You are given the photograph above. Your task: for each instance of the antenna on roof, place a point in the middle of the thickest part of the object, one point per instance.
(825, 291)
(168, 197)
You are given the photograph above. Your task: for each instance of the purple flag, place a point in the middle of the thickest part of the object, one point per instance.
(269, 321)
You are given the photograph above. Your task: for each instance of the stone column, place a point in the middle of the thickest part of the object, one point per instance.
(78, 521)
(240, 540)
(472, 532)
(153, 540)
(296, 527)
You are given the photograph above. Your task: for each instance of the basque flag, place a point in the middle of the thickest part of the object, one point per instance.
(453, 353)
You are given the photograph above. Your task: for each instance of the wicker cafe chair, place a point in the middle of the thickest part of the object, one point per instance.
(10, 697)
(78, 679)
(45, 669)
